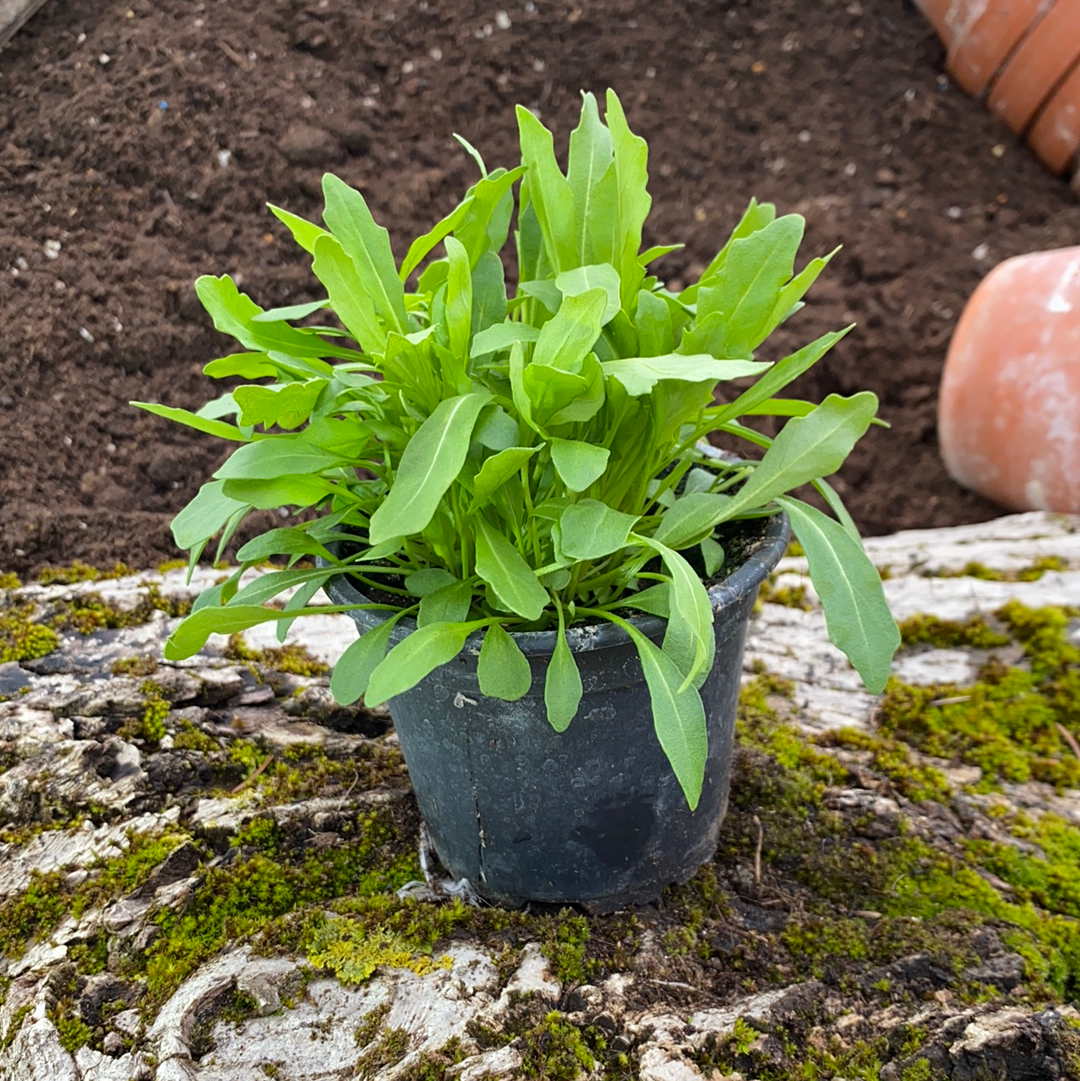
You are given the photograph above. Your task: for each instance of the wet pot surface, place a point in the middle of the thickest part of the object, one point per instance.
(593, 815)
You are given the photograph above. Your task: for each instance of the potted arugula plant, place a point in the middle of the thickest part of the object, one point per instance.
(511, 493)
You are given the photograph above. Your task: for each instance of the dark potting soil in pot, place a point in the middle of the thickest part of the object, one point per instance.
(147, 149)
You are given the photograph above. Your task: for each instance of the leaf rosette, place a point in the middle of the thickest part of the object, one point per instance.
(492, 459)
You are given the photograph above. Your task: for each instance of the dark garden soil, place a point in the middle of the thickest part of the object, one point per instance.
(139, 141)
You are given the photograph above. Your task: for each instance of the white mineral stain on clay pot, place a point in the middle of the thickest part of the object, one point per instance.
(1009, 408)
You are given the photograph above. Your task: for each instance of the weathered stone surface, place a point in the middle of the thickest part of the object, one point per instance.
(256, 766)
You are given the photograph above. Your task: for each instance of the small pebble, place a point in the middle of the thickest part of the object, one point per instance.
(850, 169)
(980, 252)
(502, 20)
(7, 401)
(909, 94)
(436, 54)
(223, 158)
(104, 59)
(998, 150)
(52, 248)
(86, 335)
(804, 136)
(955, 213)
(650, 73)
(538, 65)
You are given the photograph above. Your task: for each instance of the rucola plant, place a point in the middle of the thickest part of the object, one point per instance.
(489, 462)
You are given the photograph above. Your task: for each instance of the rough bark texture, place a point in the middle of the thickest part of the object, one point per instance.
(208, 870)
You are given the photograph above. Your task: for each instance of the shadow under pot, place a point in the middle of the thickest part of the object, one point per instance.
(593, 815)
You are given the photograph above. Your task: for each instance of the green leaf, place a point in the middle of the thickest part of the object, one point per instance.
(544, 290)
(277, 456)
(656, 335)
(502, 336)
(690, 519)
(417, 655)
(484, 226)
(807, 448)
(756, 216)
(856, 613)
(797, 288)
(496, 471)
(422, 246)
(502, 669)
(348, 294)
(631, 170)
(422, 582)
(656, 600)
(562, 683)
(233, 311)
(287, 406)
(504, 569)
(559, 397)
(275, 492)
(640, 374)
(590, 157)
(565, 339)
(756, 268)
(352, 673)
(305, 233)
(458, 297)
(489, 294)
(678, 716)
(261, 589)
(690, 605)
(204, 515)
(578, 464)
(496, 429)
(779, 376)
(285, 541)
(549, 192)
(191, 635)
(245, 365)
(428, 466)
(368, 246)
(592, 530)
(582, 279)
(712, 554)
(450, 604)
(291, 312)
(193, 420)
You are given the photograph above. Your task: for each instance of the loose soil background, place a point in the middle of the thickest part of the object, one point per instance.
(138, 145)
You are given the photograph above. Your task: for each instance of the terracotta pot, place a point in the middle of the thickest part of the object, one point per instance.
(1024, 55)
(1009, 408)
(1055, 135)
(1045, 55)
(980, 35)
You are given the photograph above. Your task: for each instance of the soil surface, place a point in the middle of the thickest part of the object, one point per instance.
(139, 142)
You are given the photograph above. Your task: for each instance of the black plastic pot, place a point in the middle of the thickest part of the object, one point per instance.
(592, 815)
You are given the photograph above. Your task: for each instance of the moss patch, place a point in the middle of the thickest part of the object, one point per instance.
(1010, 723)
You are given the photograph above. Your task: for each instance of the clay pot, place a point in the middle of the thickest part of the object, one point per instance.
(1047, 52)
(1024, 56)
(1055, 136)
(1009, 408)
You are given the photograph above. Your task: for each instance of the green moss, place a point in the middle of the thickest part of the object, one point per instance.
(1030, 573)
(353, 951)
(9, 581)
(242, 899)
(82, 572)
(294, 659)
(1010, 722)
(73, 1031)
(557, 1050)
(190, 738)
(20, 1015)
(171, 565)
(788, 596)
(973, 633)
(22, 638)
(47, 900)
(388, 1049)
(89, 612)
(134, 666)
(564, 945)
(896, 761)
(370, 1025)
